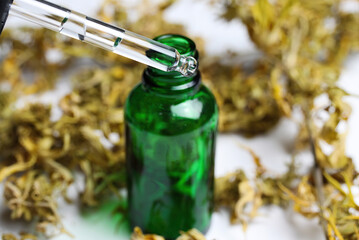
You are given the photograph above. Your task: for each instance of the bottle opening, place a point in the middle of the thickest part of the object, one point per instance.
(186, 61)
(185, 75)
(185, 46)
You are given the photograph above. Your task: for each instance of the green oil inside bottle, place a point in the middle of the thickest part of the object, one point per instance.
(171, 127)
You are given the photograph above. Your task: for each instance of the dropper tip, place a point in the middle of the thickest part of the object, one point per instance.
(188, 66)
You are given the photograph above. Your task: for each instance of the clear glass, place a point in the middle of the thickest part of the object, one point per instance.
(103, 35)
(171, 127)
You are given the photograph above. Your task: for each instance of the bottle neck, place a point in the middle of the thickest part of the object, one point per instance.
(173, 83)
(170, 82)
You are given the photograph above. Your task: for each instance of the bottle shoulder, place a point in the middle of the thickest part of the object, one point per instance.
(171, 113)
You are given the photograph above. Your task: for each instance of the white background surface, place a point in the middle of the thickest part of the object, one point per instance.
(273, 148)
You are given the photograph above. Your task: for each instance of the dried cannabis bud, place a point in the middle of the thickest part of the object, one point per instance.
(192, 234)
(23, 236)
(303, 44)
(305, 53)
(138, 235)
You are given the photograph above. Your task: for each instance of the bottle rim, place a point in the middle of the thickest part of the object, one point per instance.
(184, 45)
(155, 78)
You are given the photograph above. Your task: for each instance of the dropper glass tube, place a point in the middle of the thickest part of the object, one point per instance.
(103, 35)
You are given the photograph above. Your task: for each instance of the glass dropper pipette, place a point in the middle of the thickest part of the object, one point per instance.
(98, 33)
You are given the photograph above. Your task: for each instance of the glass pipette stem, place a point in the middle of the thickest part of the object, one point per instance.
(103, 35)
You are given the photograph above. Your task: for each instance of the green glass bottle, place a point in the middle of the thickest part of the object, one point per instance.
(171, 127)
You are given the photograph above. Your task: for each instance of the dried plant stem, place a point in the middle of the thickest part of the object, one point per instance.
(316, 173)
